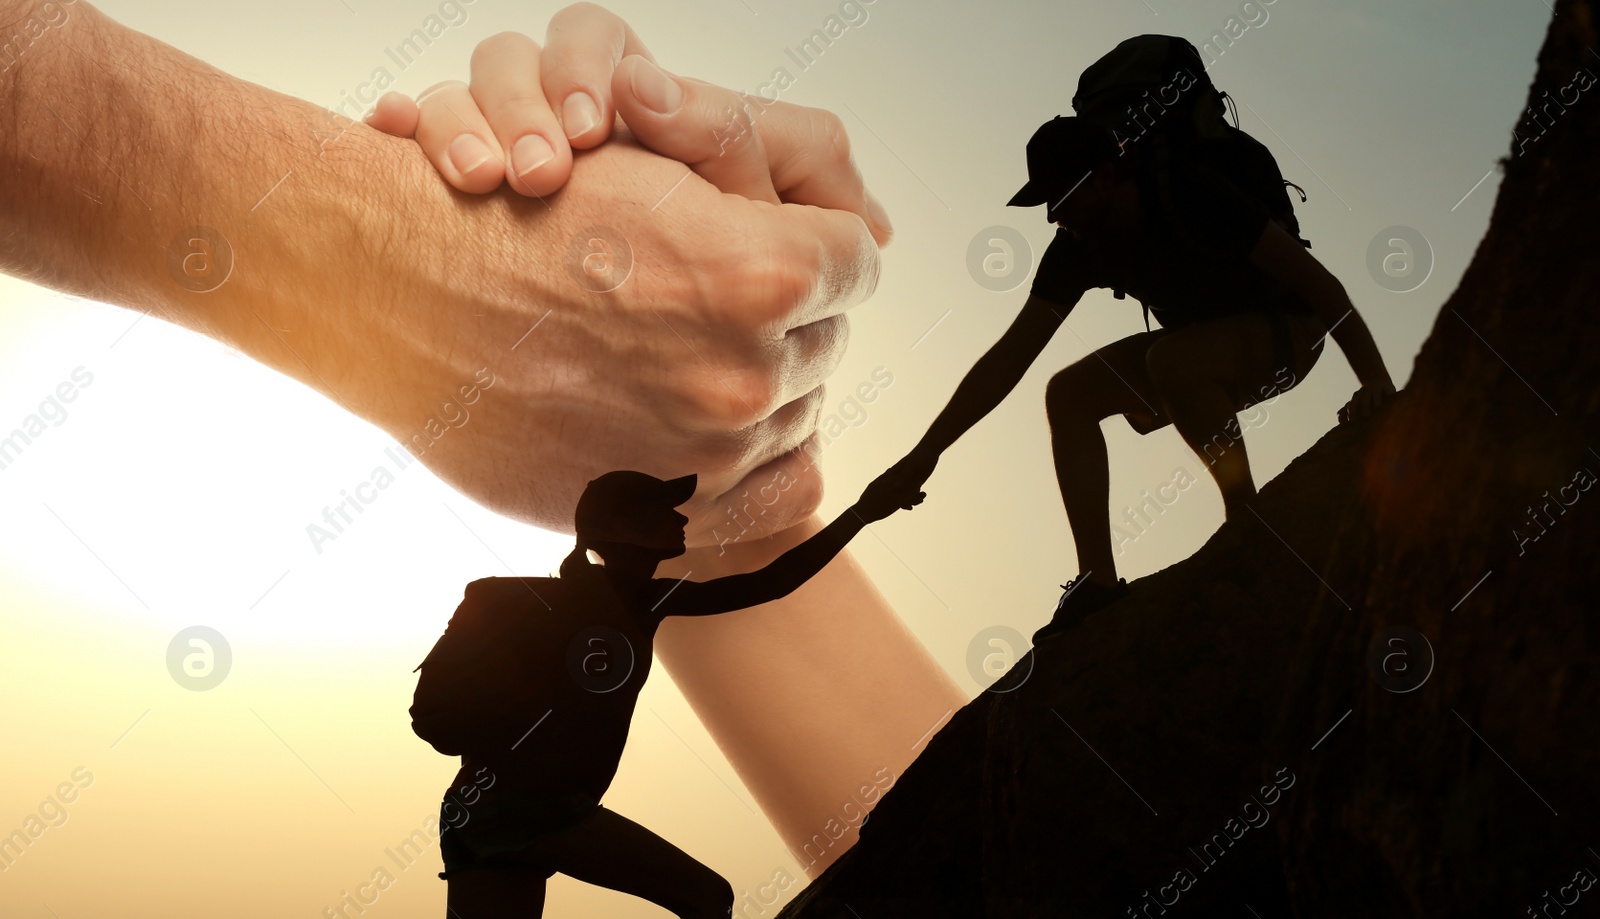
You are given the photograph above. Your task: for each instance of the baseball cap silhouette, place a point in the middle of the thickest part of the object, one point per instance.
(1060, 154)
(616, 506)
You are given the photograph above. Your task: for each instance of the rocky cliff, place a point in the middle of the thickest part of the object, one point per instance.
(1376, 695)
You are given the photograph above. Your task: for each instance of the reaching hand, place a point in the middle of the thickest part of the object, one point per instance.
(1366, 401)
(886, 494)
(912, 471)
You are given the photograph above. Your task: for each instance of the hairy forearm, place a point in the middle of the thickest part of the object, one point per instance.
(121, 144)
(114, 151)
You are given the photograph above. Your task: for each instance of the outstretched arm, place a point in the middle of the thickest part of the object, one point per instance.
(789, 570)
(995, 374)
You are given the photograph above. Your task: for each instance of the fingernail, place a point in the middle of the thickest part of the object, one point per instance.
(659, 92)
(877, 213)
(579, 114)
(467, 153)
(530, 153)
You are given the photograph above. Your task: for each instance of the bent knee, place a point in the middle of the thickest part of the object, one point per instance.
(1071, 390)
(715, 901)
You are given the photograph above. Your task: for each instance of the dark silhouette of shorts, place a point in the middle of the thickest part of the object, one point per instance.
(1284, 359)
(511, 834)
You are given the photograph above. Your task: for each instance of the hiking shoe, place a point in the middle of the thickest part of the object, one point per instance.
(1082, 597)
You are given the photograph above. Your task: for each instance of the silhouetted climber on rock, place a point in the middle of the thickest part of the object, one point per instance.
(534, 683)
(1157, 196)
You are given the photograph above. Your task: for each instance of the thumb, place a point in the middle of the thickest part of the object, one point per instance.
(708, 128)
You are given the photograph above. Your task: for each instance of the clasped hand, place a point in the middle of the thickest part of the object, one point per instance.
(729, 255)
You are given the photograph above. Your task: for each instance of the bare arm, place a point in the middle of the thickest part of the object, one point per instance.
(778, 579)
(351, 255)
(358, 272)
(1287, 261)
(116, 142)
(994, 375)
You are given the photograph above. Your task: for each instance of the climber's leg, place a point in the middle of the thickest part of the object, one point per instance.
(1110, 381)
(1205, 374)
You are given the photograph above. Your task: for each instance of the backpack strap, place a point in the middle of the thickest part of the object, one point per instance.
(1232, 109)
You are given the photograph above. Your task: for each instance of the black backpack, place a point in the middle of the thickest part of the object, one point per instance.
(1153, 93)
(473, 675)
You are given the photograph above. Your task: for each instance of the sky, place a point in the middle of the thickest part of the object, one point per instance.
(175, 490)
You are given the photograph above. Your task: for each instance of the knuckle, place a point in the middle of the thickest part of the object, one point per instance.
(810, 408)
(502, 43)
(519, 102)
(869, 262)
(715, 456)
(830, 129)
(741, 398)
(443, 87)
(583, 9)
(774, 284)
(829, 338)
(580, 13)
(752, 282)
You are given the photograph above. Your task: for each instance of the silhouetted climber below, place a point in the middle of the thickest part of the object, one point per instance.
(534, 684)
(1157, 196)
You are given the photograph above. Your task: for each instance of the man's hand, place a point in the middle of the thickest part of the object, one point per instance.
(765, 151)
(665, 327)
(528, 107)
(519, 347)
(472, 330)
